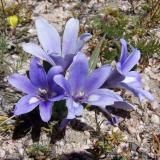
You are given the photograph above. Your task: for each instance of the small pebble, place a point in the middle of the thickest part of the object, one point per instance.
(131, 130)
(133, 146)
(2, 153)
(155, 105)
(155, 119)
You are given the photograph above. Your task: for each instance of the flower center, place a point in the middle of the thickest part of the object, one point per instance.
(79, 96)
(45, 94)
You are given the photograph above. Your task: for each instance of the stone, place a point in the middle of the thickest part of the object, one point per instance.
(131, 130)
(155, 119)
(2, 153)
(154, 105)
(133, 146)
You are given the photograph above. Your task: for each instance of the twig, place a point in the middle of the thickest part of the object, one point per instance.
(7, 120)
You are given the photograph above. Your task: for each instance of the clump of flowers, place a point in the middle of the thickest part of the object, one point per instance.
(69, 77)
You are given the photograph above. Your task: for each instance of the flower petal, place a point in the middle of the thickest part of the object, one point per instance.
(52, 72)
(58, 60)
(145, 94)
(52, 84)
(123, 105)
(124, 51)
(48, 36)
(37, 74)
(45, 109)
(133, 78)
(114, 79)
(138, 91)
(22, 83)
(70, 36)
(69, 104)
(62, 82)
(64, 62)
(103, 97)
(131, 61)
(113, 120)
(37, 51)
(78, 72)
(26, 104)
(64, 123)
(74, 108)
(82, 40)
(57, 98)
(97, 78)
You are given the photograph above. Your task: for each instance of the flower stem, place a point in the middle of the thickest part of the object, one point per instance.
(3, 7)
(97, 123)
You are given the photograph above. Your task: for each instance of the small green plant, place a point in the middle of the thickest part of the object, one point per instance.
(37, 150)
(119, 158)
(115, 25)
(3, 51)
(112, 23)
(3, 46)
(151, 14)
(107, 143)
(148, 48)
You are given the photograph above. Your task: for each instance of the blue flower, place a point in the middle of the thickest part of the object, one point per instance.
(40, 89)
(53, 51)
(123, 77)
(83, 87)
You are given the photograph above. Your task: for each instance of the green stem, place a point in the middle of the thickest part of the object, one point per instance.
(3, 7)
(97, 123)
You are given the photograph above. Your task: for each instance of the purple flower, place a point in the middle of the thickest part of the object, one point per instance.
(113, 121)
(40, 89)
(53, 50)
(83, 87)
(123, 77)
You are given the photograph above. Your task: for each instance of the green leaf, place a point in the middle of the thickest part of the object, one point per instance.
(59, 110)
(94, 57)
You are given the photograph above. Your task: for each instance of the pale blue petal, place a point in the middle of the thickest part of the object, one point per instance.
(145, 94)
(45, 109)
(70, 36)
(124, 51)
(71, 113)
(138, 92)
(97, 78)
(22, 83)
(103, 97)
(82, 40)
(62, 82)
(133, 78)
(131, 61)
(74, 108)
(78, 72)
(37, 51)
(48, 36)
(26, 104)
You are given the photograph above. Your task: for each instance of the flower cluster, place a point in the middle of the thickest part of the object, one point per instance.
(69, 77)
